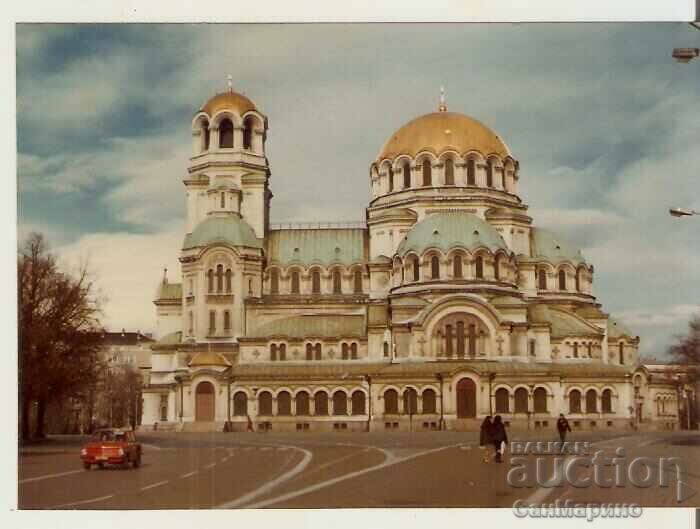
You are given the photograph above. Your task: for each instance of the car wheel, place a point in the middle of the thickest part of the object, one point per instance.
(100, 465)
(137, 461)
(86, 466)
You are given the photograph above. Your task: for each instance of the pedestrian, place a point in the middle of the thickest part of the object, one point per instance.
(562, 428)
(485, 437)
(499, 438)
(249, 427)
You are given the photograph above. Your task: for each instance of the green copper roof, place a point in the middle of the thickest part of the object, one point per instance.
(617, 330)
(345, 246)
(564, 324)
(230, 230)
(172, 291)
(551, 247)
(449, 230)
(313, 326)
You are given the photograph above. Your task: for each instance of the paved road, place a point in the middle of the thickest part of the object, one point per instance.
(437, 469)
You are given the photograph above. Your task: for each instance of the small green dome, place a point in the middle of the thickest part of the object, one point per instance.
(551, 247)
(449, 230)
(230, 230)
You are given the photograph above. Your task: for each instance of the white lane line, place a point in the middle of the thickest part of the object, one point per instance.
(150, 446)
(272, 483)
(266, 448)
(154, 485)
(210, 465)
(189, 474)
(392, 460)
(83, 502)
(282, 448)
(49, 476)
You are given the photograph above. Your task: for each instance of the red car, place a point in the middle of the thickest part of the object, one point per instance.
(111, 446)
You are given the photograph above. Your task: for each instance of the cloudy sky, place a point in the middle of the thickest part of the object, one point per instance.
(605, 125)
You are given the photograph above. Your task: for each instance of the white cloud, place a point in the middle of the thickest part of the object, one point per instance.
(127, 268)
(670, 316)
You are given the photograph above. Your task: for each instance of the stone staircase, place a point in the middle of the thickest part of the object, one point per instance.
(203, 427)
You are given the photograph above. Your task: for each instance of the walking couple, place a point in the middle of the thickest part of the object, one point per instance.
(493, 432)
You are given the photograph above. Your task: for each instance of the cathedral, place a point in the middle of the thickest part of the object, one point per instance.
(445, 305)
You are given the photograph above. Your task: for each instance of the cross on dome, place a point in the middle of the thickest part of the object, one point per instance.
(443, 103)
(230, 82)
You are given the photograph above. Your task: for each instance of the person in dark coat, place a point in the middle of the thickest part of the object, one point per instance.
(485, 437)
(498, 437)
(563, 427)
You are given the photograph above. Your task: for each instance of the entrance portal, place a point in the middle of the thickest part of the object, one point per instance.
(466, 398)
(204, 402)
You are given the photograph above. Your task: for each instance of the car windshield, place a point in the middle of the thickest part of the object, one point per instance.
(109, 435)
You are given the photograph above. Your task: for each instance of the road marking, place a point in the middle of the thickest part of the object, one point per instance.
(266, 448)
(210, 465)
(189, 474)
(272, 483)
(392, 460)
(152, 447)
(154, 485)
(49, 476)
(83, 502)
(249, 448)
(465, 447)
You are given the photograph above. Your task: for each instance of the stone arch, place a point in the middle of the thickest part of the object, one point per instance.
(466, 397)
(205, 401)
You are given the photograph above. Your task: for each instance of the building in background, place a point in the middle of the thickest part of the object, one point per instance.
(446, 304)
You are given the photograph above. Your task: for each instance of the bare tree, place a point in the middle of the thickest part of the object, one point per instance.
(687, 348)
(59, 331)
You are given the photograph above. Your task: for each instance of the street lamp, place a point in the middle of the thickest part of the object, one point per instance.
(682, 212)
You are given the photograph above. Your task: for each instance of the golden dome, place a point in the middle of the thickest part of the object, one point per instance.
(229, 100)
(443, 131)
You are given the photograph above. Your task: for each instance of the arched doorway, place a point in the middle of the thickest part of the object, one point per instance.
(466, 398)
(204, 402)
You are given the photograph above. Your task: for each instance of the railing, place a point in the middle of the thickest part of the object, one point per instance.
(320, 225)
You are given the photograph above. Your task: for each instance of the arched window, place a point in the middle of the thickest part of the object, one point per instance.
(497, 268)
(578, 280)
(457, 267)
(223, 200)
(502, 401)
(210, 280)
(435, 267)
(302, 401)
(489, 174)
(317, 351)
(427, 173)
(212, 322)
(589, 345)
(274, 281)
(265, 403)
(337, 286)
(591, 401)
(449, 340)
(471, 172)
(227, 320)
(273, 352)
(416, 268)
(539, 400)
(219, 278)
(309, 351)
(406, 175)
(606, 401)
(542, 279)
(315, 282)
(391, 402)
(357, 282)
(284, 403)
(621, 353)
(345, 354)
(386, 349)
(295, 282)
(562, 280)
(503, 177)
(449, 172)
(248, 133)
(321, 403)
(228, 280)
(520, 397)
(575, 401)
(575, 349)
(353, 351)
(191, 321)
(429, 401)
(358, 403)
(390, 175)
(410, 401)
(283, 351)
(206, 135)
(240, 404)
(479, 265)
(340, 403)
(226, 134)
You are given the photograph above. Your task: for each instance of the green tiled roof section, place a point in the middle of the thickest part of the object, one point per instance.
(229, 230)
(563, 324)
(344, 246)
(170, 291)
(617, 330)
(312, 326)
(547, 245)
(451, 229)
